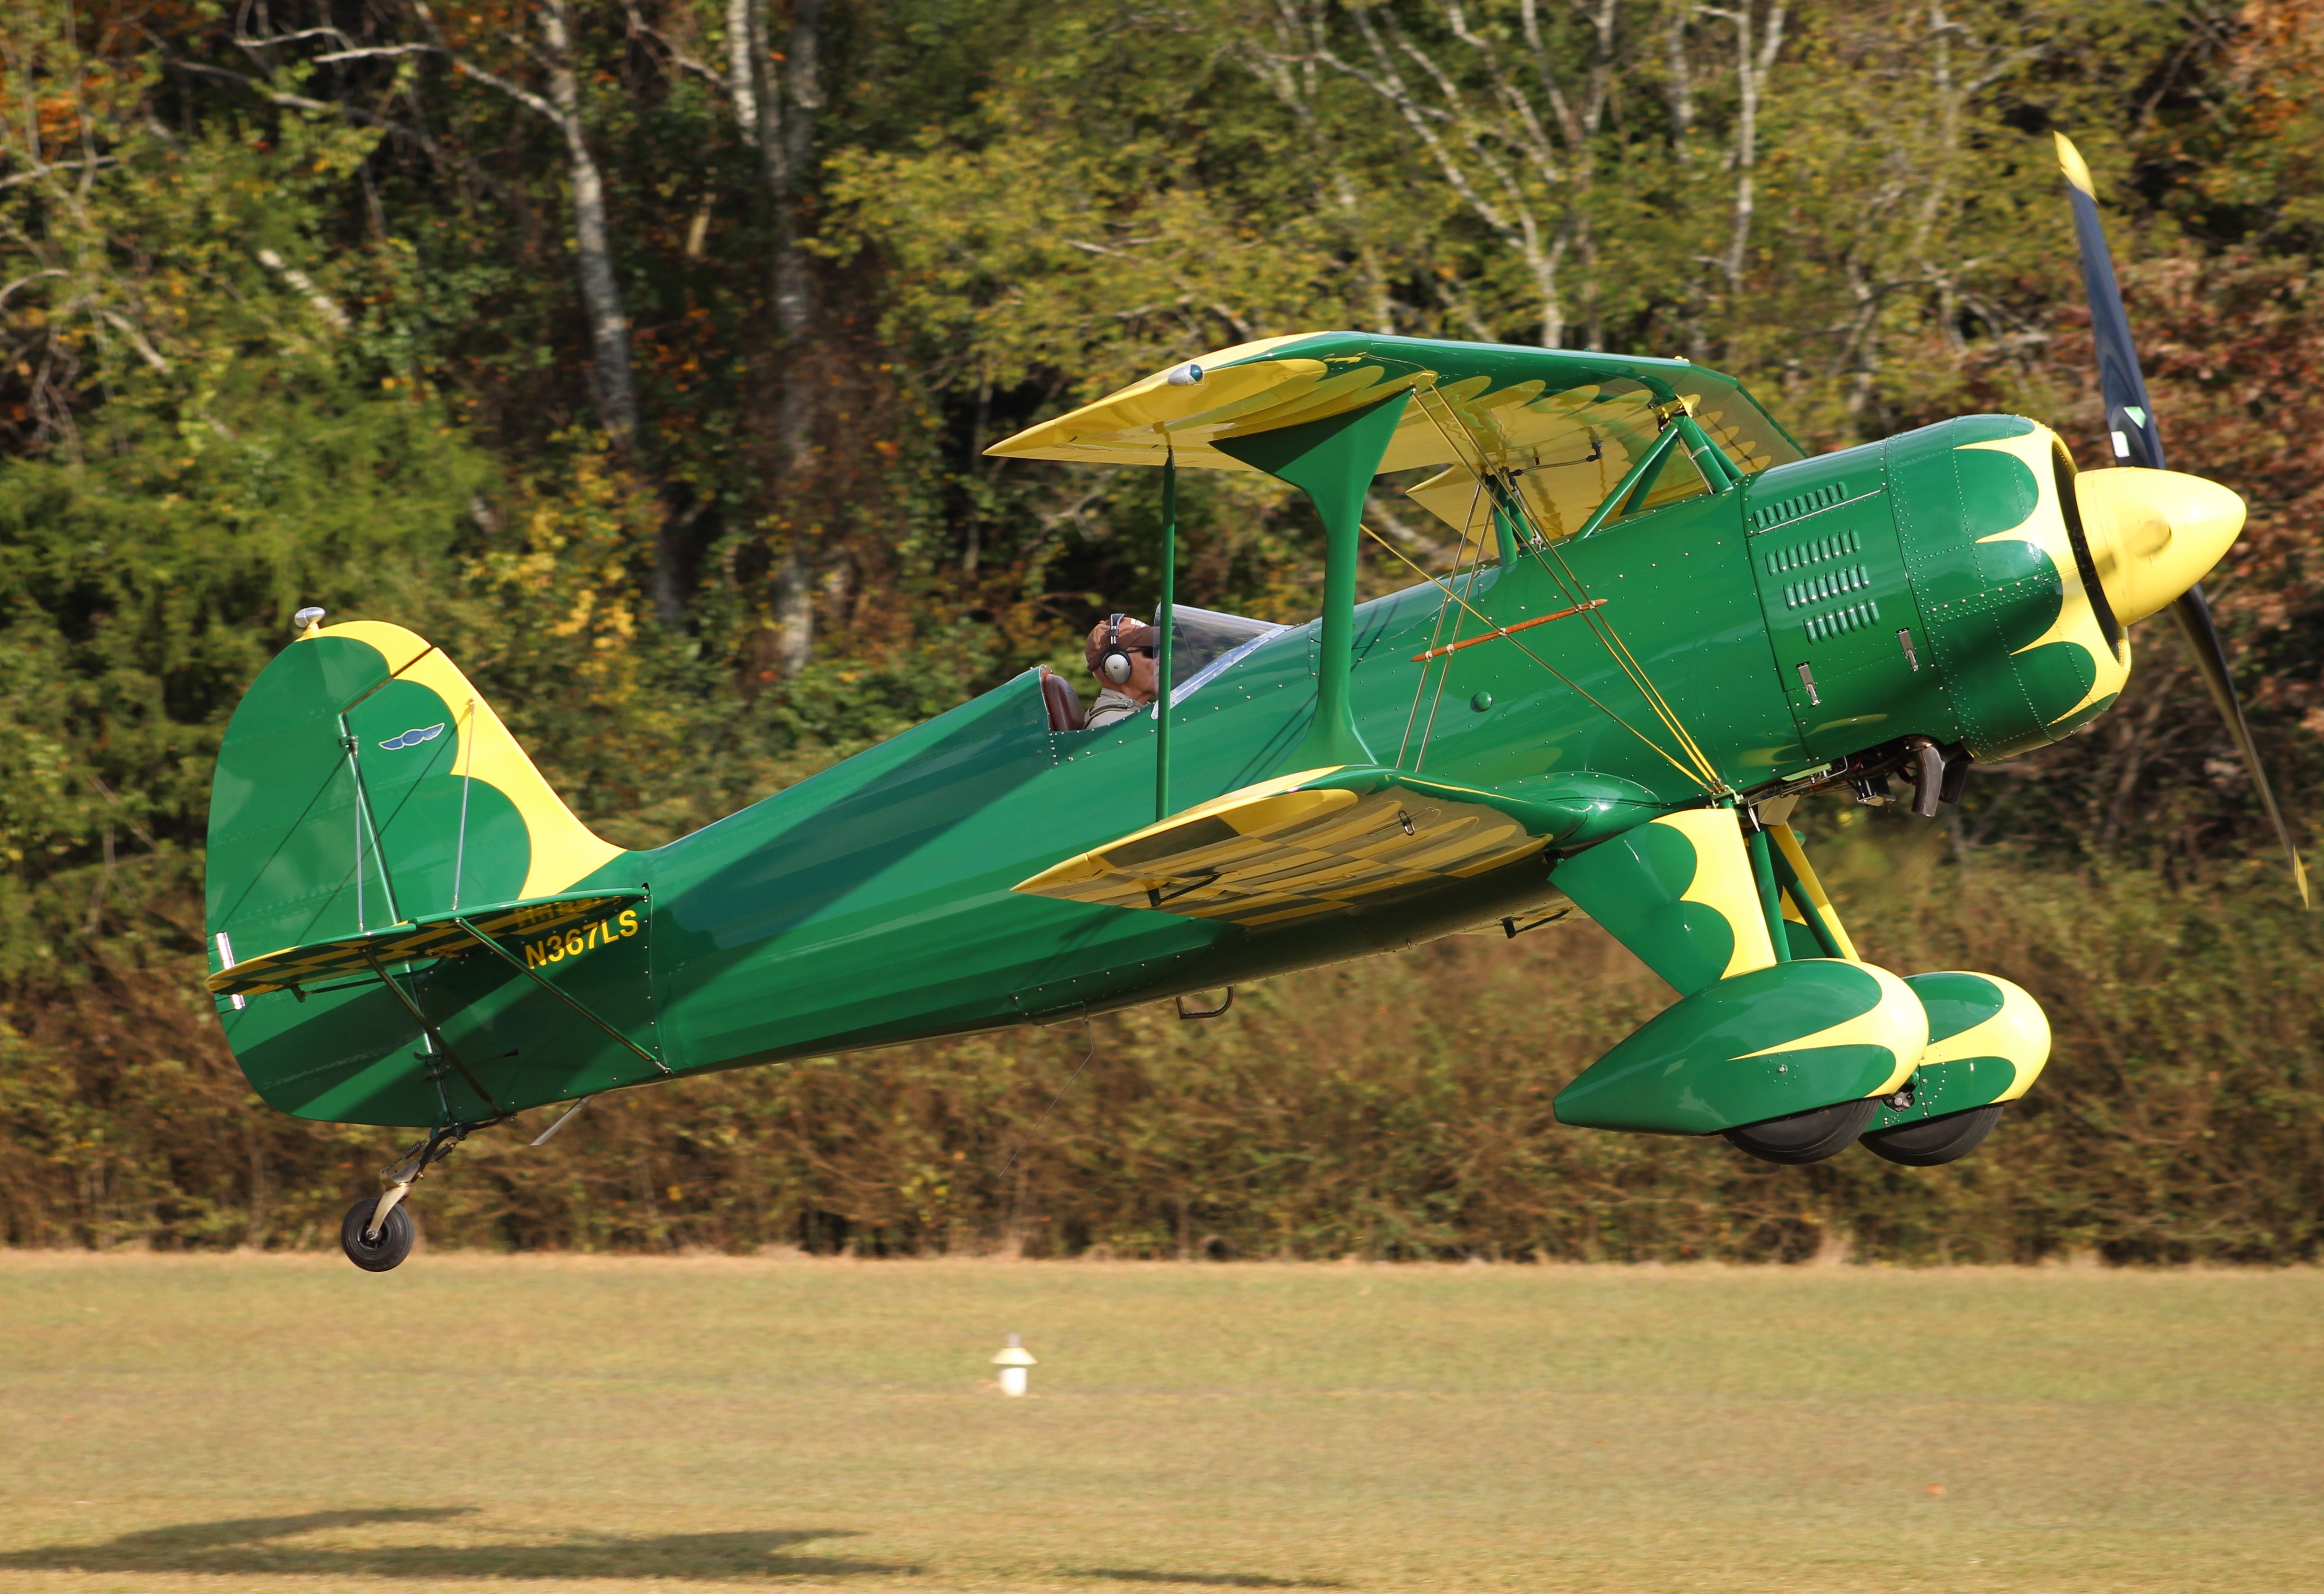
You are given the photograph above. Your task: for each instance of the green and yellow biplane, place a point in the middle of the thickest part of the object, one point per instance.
(1664, 625)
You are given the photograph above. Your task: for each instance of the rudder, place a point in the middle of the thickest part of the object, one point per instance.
(364, 780)
(364, 783)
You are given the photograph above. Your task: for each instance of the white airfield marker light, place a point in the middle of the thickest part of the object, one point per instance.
(1012, 1359)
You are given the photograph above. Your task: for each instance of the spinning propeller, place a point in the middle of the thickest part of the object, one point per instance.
(2153, 532)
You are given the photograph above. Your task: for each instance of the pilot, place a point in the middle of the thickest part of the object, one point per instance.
(1122, 657)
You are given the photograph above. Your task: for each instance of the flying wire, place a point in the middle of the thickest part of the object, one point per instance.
(1420, 687)
(1420, 756)
(1601, 627)
(1543, 552)
(1461, 569)
(1578, 593)
(1436, 629)
(1026, 1138)
(1613, 638)
(1567, 681)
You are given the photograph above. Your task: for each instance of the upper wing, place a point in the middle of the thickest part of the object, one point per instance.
(1514, 408)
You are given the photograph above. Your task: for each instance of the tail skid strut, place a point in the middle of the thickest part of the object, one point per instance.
(377, 1234)
(406, 1170)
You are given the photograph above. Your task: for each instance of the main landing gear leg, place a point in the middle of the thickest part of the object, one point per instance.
(1782, 1036)
(376, 1233)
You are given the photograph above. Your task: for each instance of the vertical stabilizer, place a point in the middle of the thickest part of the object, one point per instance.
(363, 783)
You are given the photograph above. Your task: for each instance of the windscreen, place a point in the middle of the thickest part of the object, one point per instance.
(1201, 638)
(1671, 479)
(1198, 636)
(1732, 419)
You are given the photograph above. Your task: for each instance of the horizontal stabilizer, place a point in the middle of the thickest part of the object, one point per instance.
(440, 935)
(1315, 842)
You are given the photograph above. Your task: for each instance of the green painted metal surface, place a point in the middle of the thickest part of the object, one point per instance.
(1956, 1003)
(1835, 591)
(1636, 885)
(1990, 598)
(1939, 1089)
(1332, 461)
(1730, 1054)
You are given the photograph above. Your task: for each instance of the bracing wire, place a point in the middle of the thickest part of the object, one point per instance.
(1089, 1035)
(1436, 630)
(1578, 595)
(1705, 773)
(1420, 687)
(1462, 566)
(1543, 552)
(1615, 645)
(1565, 680)
(1445, 675)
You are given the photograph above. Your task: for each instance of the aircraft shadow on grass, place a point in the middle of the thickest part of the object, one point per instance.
(255, 1546)
(1204, 1580)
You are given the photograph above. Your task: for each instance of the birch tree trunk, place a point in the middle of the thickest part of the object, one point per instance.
(1512, 138)
(601, 294)
(777, 110)
(1288, 72)
(613, 381)
(1755, 61)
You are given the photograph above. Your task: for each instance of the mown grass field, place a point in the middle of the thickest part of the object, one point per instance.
(286, 1423)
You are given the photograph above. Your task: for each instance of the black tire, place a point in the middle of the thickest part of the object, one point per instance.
(1932, 1141)
(376, 1255)
(1805, 1136)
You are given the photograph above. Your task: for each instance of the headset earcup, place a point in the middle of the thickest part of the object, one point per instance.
(1113, 664)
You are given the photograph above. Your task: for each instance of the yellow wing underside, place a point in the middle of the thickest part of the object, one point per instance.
(439, 936)
(1273, 853)
(1562, 449)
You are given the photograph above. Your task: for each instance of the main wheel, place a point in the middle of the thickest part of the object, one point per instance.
(378, 1254)
(1929, 1141)
(1805, 1136)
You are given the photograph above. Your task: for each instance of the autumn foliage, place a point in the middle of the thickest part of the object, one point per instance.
(643, 356)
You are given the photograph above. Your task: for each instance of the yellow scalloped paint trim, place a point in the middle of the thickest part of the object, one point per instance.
(2019, 1033)
(2045, 529)
(1897, 1021)
(565, 851)
(1723, 882)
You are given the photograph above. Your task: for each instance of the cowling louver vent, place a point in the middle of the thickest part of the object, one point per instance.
(1852, 618)
(1813, 550)
(1831, 584)
(1798, 505)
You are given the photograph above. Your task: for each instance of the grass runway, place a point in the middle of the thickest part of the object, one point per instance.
(286, 1423)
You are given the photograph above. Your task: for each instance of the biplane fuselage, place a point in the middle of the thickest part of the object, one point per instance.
(1769, 626)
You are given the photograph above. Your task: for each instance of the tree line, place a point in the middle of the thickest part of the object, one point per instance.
(643, 355)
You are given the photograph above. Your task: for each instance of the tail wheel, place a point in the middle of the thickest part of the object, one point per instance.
(1929, 1141)
(1805, 1136)
(380, 1252)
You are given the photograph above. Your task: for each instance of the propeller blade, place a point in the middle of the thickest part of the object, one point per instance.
(2193, 616)
(2131, 428)
(2130, 414)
